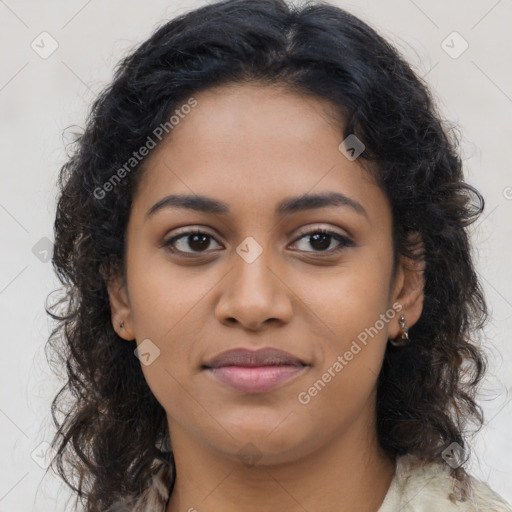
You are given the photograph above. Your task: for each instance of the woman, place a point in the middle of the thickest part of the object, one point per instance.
(271, 300)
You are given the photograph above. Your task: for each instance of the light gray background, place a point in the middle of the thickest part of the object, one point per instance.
(40, 97)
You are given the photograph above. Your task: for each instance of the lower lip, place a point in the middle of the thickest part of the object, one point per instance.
(257, 379)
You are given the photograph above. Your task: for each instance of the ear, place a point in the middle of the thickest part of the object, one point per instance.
(408, 288)
(120, 307)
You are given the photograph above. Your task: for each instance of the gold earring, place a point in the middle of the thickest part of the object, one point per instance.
(121, 325)
(404, 339)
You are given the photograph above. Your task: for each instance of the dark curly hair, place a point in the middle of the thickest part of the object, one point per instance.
(110, 427)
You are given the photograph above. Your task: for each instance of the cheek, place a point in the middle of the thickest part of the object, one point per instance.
(166, 310)
(349, 299)
(162, 294)
(352, 316)
(349, 360)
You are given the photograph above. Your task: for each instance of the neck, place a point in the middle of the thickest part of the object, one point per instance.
(348, 473)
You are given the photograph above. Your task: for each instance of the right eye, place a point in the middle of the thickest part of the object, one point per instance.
(196, 240)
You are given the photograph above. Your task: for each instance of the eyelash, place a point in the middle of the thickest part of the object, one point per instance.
(344, 241)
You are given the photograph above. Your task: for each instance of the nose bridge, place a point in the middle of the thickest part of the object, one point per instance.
(252, 275)
(253, 293)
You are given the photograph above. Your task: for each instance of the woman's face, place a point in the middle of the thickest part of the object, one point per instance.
(261, 275)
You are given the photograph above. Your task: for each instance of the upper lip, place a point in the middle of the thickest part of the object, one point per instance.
(252, 358)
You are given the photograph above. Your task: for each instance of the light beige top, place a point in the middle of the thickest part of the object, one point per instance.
(415, 487)
(420, 487)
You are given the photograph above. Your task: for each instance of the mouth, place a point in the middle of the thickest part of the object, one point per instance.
(254, 358)
(250, 371)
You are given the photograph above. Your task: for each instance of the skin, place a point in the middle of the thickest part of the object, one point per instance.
(252, 146)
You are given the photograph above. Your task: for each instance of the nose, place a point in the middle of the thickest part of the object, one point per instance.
(253, 295)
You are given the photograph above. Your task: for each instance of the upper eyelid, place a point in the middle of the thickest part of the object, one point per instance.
(317, 228)
(304, 231)
(191, 231)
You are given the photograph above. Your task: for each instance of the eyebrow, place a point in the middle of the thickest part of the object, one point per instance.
(290, 205)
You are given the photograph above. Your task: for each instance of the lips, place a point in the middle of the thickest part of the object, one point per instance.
(254, 358)
(255, 371)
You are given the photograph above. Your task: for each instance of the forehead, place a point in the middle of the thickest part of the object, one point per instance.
(251, 146)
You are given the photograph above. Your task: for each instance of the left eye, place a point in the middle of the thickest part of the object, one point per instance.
(199, 241)
(320, 240)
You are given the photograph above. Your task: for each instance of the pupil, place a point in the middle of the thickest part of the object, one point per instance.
(324, 240)
(192, 240)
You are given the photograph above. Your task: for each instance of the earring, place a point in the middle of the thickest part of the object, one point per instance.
(121, 325)
(404, 339)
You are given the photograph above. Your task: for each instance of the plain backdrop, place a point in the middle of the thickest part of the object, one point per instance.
(41, 95)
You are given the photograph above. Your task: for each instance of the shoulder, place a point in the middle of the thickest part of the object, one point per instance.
(418, 486)
(154, 498)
